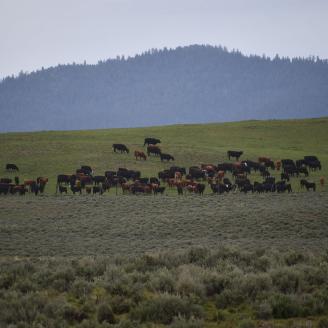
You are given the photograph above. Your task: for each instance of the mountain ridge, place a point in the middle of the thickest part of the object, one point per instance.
(193, 84)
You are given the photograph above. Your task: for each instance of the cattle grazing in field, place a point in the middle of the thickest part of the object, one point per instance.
(304, 171)
(140, 155)
(154, 150)
(151, 141)
(154, 180)
(11, 167)
(166, 157)
(86, 169)
(159, 190)
(5, 188)
(97, 189)
(267, 162)
(247, 187)
(282, 186)
(322, 181)
(5, 180)
(62, 189)
(312, 162)
(128, 174)
(234, 154)
(19, 189)
(41, 182)
(99, 179)
(76, 189)
(63, 178)
(196, 173)
(308, 185)
(220, 188)
(226, 167)
(179, 169)
(120, 148)
(110, 174)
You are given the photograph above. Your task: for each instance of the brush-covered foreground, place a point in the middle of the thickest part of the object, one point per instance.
(223, 287)
(62, 152)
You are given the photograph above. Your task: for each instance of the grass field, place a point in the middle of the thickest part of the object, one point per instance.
(132, 225)
(233, 260)
(52, 153)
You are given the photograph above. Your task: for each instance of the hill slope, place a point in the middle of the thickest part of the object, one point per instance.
(191, 84)
(56, 152)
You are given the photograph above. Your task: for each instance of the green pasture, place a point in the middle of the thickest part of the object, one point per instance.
(61, 152)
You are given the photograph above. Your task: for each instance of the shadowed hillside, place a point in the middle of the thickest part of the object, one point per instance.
(184, 85)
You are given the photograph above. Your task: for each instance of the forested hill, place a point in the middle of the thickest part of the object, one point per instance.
(192, 84)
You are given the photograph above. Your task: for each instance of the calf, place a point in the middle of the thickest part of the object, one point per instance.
(166, 157)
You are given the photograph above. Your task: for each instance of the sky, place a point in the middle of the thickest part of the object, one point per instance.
(43, 33)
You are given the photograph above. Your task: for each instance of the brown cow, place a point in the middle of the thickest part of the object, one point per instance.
(278, 165)
(322, 181)
(140, 154)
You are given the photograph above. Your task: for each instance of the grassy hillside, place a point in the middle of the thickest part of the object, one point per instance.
(226, 261)
(51, 153)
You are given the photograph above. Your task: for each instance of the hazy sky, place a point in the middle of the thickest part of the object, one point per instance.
(36, 33)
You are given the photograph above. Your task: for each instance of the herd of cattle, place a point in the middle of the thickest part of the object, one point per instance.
(193, 180)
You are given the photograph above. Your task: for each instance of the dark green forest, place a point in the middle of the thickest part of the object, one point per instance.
(183, 85)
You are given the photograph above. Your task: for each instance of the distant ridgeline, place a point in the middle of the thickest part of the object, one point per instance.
(193, 84)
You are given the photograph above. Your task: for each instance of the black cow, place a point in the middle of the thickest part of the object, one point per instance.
(159, 190)
(166, 157)
(151, 141)
(308, 185)
(4, 188)
(121, 148)
(63, 178)
(303, 170)
(97, 189)
(154, 180)
(200, 187)
(110, 174)
(155, 150)
(220, 188)
(166, 174)
(282, 186)
(196, 173)
(5, 180)
(76, 189)
(62, 189)
(225, 167)
(258, 187)
(143, 180)
(99, 179)
(291, 170)
(247, 187)
(12, 167)
(174, 169)
(312, 162)
(234, 154)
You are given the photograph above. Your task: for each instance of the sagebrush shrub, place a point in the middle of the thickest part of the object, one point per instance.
(164, 308)
(105, 313)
